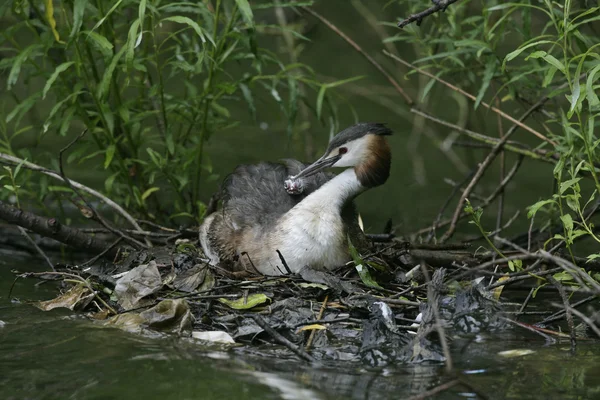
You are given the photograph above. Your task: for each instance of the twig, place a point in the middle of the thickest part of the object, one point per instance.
(77, 278)
(531, 328)
(104, 252)
(282, 340)
(473, 98)
(534, 154)
(485, 164)
(319, 317)
(352, 43)
(559, 314)
(568, 313)
(455, 190)
(55, 175)
(438, 389)
(585, 319)
(575, 272)
(438, 321)
(37, 248)
(439, 5)
(50, 227)
(488, 200)
(289, 271)
(95, 214)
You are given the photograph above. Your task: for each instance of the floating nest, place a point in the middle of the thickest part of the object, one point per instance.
(399, 304)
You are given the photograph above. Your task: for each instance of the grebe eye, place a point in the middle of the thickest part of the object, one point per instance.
(342, 150)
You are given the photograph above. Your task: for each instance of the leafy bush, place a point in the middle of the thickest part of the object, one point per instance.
(150, 82)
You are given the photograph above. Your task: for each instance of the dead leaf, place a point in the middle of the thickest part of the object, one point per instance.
(209, 281)
(498, 291)
(77, 297)
(138, 283)
(172, 316)
(189, 280)
(169, 316)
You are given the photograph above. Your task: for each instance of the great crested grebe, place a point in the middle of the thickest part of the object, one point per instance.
(294, 213)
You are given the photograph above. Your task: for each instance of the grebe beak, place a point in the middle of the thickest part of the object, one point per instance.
(317, 166)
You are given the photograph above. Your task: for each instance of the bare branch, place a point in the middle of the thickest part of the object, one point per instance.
(50, 227)
(439, 5)
(370, 59)
(34, 167)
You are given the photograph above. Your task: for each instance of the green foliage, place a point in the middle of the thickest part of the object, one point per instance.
(151, 81)
(522, 52)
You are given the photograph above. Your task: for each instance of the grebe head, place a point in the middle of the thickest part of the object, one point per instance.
(362, 146)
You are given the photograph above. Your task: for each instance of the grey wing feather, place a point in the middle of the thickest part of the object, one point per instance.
(255, 195)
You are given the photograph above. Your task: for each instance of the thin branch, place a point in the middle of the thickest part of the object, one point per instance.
(95, 214)
(585, 319)
(439, 5)
(539, 155)
(50, 227)
(37, 248)
(34, 167)
(281, 339)
(319, 318)
(568, 313)
(433, 301)
(436, 390)
(473, 98)
(370, 59)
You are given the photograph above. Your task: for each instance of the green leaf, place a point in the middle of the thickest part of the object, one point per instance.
(18, 61)
(23, 107)
(574, 98)
(110, 153)
(563, 276)
(78, 10)
(246, 11)
(61, 68)
(361, 268)
(324, 87)
(320, 98)
(148, 192)
(142, 10)
(514, 54)
(567, 221)
(568, 184)
(108, 183)
(246, 303)
(365, 276)
(591, 95)
(247, 94)
(533, 209)
(554, 62)
(104, 85)
(192, 24)
(113, 8)
(103, 44)
(550, 72)
(490, 70)
(131, 42)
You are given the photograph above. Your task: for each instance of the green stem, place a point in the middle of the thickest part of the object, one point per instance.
(207, 103)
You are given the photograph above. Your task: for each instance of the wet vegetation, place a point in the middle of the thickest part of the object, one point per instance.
(108, 109)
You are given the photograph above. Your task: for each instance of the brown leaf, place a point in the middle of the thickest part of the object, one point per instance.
(77, 297)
